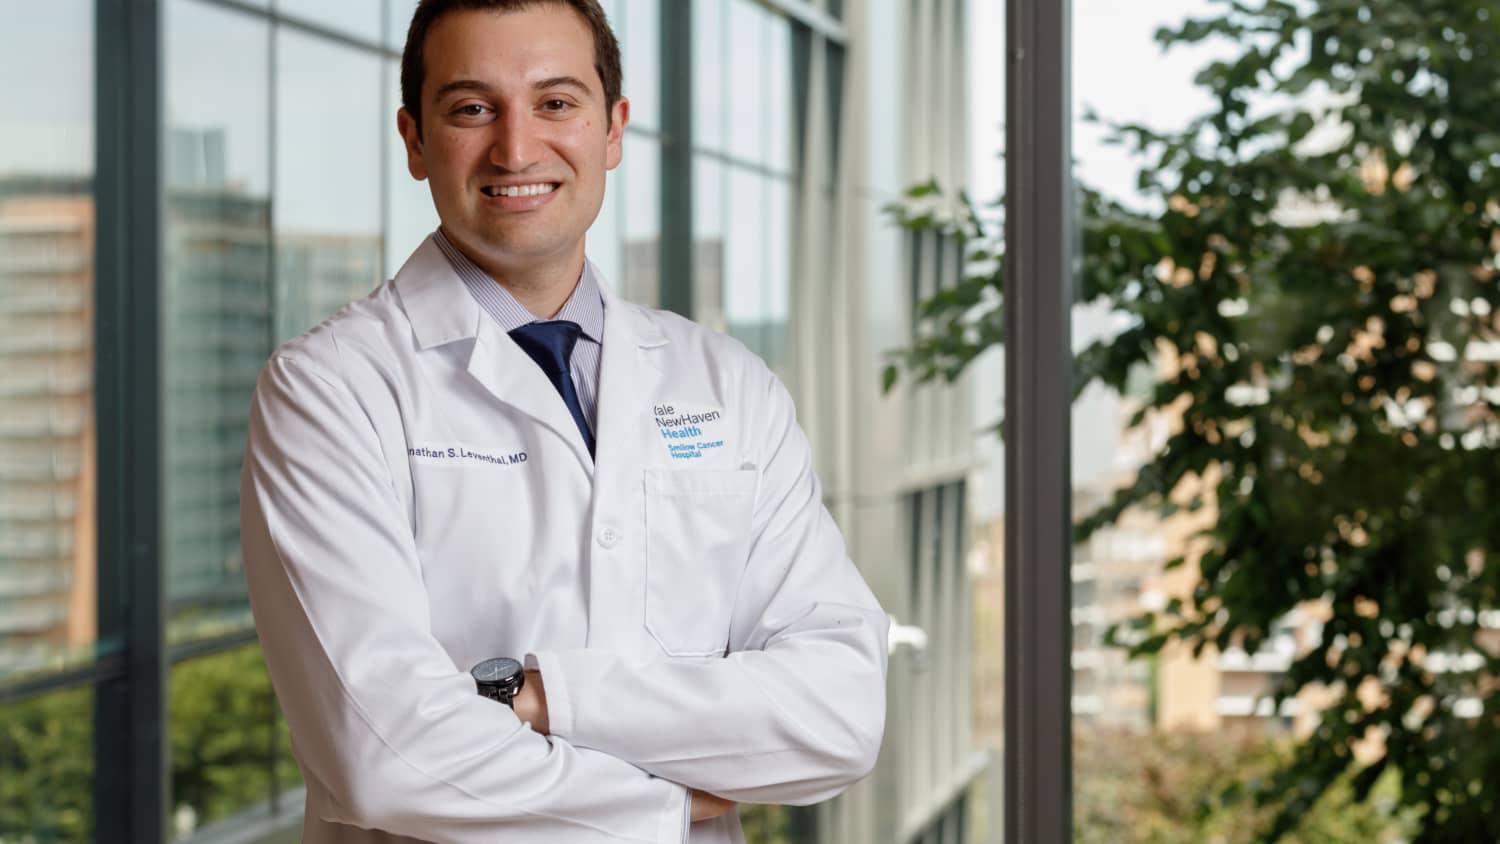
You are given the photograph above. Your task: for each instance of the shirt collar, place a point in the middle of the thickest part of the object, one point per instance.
(585, 306)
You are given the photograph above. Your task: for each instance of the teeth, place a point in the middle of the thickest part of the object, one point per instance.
(519, 190)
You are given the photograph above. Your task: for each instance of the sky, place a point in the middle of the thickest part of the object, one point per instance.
(1120, 72)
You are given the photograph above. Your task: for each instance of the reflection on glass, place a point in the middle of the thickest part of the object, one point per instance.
(603, 243)
(776, 110)
(229, 743)
(637, 26)
(777, 269)
(746, 120)
(744, 259)
(639, 190)
(360, 18)
(47, 768)
(410, 215)
(709, 53)
(217, 299)
(748, 246)
(327, 214)
(47, 472)
(708, 243)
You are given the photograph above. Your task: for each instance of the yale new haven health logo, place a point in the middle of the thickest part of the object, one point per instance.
(688, 434)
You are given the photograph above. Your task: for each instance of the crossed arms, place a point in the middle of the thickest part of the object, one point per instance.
(392, 734)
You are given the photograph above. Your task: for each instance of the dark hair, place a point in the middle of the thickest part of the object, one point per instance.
(413, 62)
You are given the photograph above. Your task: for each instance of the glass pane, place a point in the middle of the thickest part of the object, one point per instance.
(709, 56)
(360, 18)
(47, 768)
(410, 215)
(708, 243)
(327, 218)
(746, 125)
(778, 270)
(47, 439)
(217, 299)
(229, 743)
(744, 257)
(641, 226)
(638, 28)
(1291, 291)
(603, 243)
(776, 115)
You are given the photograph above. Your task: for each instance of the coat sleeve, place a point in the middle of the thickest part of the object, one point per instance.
(796, 711)
(384, 723)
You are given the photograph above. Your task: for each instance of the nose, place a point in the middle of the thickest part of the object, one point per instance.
(514, 145)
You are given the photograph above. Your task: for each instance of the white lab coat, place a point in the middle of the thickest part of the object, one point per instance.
(416, 498)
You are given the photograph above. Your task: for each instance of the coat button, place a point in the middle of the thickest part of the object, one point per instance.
(609, 537)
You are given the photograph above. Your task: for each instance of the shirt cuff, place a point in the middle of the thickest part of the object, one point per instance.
(559, 697)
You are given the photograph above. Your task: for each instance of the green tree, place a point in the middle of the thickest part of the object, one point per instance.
(46, 765)
(1321, 276)
(229, 750)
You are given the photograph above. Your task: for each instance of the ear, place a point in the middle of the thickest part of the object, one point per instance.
(618, 117)
(411, 138)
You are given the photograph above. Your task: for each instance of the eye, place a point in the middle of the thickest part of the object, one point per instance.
(470, 110)
(556, 105)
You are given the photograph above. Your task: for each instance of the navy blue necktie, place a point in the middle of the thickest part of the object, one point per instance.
(550, 344)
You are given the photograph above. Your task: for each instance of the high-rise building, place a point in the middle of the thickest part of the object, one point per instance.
(47, 576)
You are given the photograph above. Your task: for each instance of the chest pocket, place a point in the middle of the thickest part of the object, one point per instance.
(697, 544)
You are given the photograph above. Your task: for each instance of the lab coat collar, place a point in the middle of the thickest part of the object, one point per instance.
(442, 312)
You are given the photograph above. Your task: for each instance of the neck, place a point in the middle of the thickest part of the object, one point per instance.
(542, 287)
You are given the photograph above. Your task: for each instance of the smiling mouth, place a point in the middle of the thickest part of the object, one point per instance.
(519, 190)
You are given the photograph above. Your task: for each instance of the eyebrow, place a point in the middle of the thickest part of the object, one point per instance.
(476, 85)
(562, 81)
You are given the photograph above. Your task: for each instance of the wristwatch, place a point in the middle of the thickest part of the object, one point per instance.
(499, 678)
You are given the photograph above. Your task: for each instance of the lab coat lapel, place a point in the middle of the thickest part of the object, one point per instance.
(442, 311)
(629, 378)
(505, 369)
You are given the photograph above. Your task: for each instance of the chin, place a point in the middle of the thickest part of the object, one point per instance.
(511, 246)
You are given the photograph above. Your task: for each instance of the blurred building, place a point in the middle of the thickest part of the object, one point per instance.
(46, 421)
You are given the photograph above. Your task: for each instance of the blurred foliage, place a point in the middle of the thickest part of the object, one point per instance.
(230, 751)
(767, 824)
(1147, 786)
(46, 768)
(1316, 292)
(230, 748)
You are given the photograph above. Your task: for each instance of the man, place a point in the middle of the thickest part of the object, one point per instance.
(493, 456)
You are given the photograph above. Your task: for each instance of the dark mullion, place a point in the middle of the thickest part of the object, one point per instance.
(675, 175)
(130, 747)
(1039, 228)
(102, 667)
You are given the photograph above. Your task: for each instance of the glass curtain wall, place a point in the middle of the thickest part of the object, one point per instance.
(48, 573)
(744, 173)
(285, 194)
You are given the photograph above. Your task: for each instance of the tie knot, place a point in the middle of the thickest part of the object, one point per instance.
(550, 344)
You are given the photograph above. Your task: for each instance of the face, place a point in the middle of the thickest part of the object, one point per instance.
(515, 137)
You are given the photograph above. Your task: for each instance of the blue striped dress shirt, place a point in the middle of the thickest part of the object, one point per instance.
(585, 307)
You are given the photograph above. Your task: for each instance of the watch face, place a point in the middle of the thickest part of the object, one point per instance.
(496, 670)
